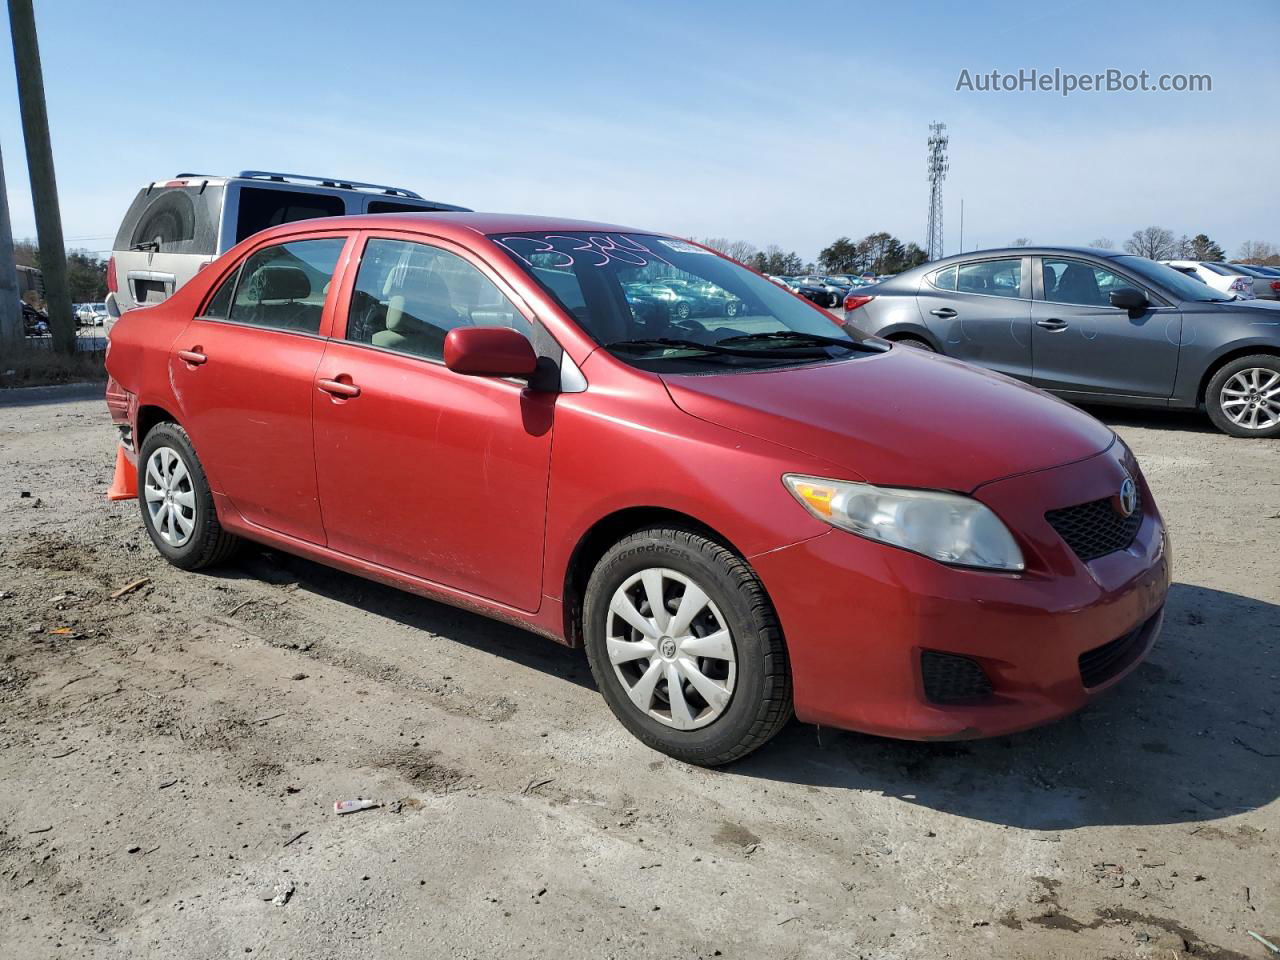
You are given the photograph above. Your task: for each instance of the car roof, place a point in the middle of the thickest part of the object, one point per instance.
(450, 224)
(1024, 252)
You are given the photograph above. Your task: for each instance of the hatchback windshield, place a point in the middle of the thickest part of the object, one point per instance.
(668, 305)
(1178, 284)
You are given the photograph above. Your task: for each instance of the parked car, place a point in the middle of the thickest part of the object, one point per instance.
(175, 227)
(1266, 281)
(1092, 326)
(813, 292)
(90, 314)
(1219, 276)
(381, 394)
(35, 323)
(835, 292)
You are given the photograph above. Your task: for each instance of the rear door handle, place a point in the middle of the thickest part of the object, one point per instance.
(1053, 324)
(192, 356)
(946, 313)
(339, 388)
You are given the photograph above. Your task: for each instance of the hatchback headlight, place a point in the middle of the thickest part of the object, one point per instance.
(945, 526)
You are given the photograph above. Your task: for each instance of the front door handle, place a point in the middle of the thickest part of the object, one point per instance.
(1052, 324)
(339, 388)
(193, 356)
(945, 313)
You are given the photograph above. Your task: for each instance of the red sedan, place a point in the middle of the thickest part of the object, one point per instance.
(738, 516)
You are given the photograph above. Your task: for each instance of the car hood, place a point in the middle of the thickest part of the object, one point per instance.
(901, 418)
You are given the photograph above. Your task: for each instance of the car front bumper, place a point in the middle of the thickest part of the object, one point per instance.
(859, 617)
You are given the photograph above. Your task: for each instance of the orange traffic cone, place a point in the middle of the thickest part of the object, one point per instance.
(124, 485)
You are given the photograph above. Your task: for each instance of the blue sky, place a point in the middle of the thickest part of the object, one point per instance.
(789, 124)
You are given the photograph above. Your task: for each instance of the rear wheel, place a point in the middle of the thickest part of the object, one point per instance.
(685, 647)
(914, 342)
(1243, 398)
(177, 506)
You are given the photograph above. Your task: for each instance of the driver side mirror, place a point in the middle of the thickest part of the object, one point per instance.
(1127, 298)
(489, 352)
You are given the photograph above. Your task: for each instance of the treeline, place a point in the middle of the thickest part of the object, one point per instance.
(86, 273)
(1160, 243)
(875, 253)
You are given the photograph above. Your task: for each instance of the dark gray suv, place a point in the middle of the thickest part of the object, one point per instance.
(1092, 326)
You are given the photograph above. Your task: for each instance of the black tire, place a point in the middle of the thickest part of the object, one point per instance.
(208, 543)
(1214, 398)
(760, 704)
(915, 342)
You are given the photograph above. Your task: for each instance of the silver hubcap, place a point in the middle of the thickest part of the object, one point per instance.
(170, 498)
(1251, 398)
(670, 649)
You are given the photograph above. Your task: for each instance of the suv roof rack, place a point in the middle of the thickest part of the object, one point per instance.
(327, 182)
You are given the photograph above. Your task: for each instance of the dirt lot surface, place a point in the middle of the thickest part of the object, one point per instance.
(171, 757)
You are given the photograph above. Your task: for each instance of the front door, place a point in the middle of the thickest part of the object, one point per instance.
(244, 372)
(1082, 344)
(980, 311)
(422, 470)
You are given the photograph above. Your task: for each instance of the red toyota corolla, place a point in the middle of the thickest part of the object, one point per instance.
(626, 441)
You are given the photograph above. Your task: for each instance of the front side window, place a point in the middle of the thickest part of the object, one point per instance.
(667, 305)
(1072, 281)
(284, 286)
(408, 296)
(995, 278)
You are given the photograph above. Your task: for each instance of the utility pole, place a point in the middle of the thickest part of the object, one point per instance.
(44, 187)
(11, 327)
(961, 250)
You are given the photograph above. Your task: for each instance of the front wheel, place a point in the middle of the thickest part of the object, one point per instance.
(685, 646)
(1243, 398)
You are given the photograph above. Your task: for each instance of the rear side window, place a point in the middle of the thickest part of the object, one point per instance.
(261, 208)
(172, 220)
(408, 296)
(995, 278)
(284, 286)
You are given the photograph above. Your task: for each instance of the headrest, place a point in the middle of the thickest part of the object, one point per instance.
(281, 281)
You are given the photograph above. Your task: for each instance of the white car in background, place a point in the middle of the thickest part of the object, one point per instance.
(1222, 277)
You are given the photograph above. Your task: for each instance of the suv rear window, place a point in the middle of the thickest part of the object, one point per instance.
(176, 219)
(261, 208)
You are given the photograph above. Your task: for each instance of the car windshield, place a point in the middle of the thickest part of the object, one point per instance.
(668, 305)
(1179, 285)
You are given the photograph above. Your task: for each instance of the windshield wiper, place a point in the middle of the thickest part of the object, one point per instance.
(152, 246)
(639, 344)
(796, 338)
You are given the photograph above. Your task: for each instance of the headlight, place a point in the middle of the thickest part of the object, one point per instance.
(945, 526)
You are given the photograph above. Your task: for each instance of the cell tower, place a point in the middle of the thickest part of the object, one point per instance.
(937, 173)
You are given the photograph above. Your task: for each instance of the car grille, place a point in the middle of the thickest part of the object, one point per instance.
(949, 679)
(1094, 529)
(1100, 664)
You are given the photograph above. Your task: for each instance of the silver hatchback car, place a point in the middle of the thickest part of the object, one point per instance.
(174, 227)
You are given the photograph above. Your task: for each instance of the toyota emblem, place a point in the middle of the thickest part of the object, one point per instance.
(1128, 497)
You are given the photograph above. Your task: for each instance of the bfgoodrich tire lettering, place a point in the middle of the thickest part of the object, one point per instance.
(200, 540)
(755, 702)
(1243, 398)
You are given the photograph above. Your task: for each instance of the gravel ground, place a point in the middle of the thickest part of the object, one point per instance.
(171, 758)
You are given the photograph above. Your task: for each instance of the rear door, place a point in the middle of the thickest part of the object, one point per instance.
(1081, 343)
(422, 470)
(169, 232)
(244, 371)
(980, 310)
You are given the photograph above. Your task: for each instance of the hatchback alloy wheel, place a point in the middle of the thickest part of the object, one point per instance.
(671, 649)
(170, 497)
(1251, 398)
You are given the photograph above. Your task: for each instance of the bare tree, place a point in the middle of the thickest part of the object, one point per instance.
(1154, 243)
(739, 250)
(1259, 251)
(1103, 243)
(1020, 242)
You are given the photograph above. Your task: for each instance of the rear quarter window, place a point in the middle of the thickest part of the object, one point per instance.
(263, 207)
